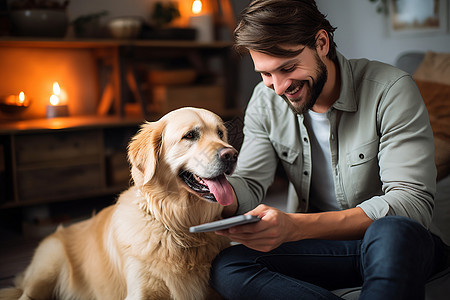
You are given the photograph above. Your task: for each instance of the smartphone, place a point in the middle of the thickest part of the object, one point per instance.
(224, 223)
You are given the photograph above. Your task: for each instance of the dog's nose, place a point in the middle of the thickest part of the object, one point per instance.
(228, 155)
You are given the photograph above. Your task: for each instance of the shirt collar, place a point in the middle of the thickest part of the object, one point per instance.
(347, 97)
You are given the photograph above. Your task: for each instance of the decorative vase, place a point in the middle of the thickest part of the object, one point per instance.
(39, 22)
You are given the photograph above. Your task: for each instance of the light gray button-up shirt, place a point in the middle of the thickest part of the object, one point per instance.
(382, 149)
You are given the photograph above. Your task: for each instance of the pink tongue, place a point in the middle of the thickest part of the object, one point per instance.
(221, 189)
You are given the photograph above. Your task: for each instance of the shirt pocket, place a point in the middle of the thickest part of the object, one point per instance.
(363, 154)
(285, 153)
(363, 181)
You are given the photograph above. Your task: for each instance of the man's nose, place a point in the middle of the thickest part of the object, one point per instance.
(280, 84)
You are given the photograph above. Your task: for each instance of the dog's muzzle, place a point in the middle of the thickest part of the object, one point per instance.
(217, 187)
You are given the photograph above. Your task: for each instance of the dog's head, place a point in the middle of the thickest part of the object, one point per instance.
(188, 145)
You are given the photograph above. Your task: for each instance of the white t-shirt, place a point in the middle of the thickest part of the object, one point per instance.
(322, 194)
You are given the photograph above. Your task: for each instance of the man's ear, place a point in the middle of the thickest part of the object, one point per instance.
(322, 43)
(143, 152)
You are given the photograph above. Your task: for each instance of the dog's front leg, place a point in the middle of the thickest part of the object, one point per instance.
(187, 287)
(134, 280)
(142, 284)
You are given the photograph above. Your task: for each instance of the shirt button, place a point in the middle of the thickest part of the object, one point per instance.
(361, 156)
(305, 173)
(305, 140)
(284, 153)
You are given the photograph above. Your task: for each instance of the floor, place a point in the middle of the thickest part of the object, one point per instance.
(17, 245)
(15, 254)
(20, 233)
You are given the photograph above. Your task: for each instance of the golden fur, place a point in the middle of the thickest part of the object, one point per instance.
(140, 248)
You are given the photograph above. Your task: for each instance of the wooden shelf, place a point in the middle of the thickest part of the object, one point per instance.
(82, 122)
(107, 43)
(76, 122)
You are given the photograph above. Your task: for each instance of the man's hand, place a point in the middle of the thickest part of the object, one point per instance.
(265, 235)
(277, 227)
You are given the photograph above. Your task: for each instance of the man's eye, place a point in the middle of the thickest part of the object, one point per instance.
(266, 74)
(289, 70)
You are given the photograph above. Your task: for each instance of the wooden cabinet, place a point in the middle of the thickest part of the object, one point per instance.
(63, 159)
(48, 160)
(64, 163)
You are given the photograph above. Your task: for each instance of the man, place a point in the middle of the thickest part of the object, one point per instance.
(355, 141)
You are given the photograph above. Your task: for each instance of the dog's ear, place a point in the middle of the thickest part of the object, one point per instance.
(143, 152)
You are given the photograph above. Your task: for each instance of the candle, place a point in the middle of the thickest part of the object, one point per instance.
(17, 100)
(56, 107)
(14, 104)
(202, 22)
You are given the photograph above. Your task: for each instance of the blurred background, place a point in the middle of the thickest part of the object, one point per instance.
(78, 77)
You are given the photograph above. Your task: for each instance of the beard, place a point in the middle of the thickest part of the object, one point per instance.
(315, 89)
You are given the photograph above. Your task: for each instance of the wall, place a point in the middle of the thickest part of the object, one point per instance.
(362, 32)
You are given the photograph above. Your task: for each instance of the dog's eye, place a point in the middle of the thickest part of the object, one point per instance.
(190, 135)
(220, 133)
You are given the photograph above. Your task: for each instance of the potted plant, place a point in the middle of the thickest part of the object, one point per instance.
(164, 14)
(161, 19)
(46, 18)
(88, 26)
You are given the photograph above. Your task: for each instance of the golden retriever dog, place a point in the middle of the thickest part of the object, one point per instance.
(140, 247)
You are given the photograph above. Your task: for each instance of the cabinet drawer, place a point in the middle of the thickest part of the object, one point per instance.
(59, 181)
(57, 146)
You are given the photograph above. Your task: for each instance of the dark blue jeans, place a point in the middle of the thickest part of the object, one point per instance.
(392, 261)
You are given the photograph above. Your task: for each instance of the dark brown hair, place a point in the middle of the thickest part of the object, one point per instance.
(267, 24)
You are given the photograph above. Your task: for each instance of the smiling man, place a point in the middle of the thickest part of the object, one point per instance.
(280, 75)
(355, 141)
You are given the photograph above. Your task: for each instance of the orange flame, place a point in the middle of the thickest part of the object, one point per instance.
(21, 98)
(197, 7)
(54, 99)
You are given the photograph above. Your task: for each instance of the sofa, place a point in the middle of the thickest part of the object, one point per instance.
(431, 71)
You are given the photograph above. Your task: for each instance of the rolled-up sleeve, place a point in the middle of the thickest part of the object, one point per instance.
(257, 160)
(406, 156)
